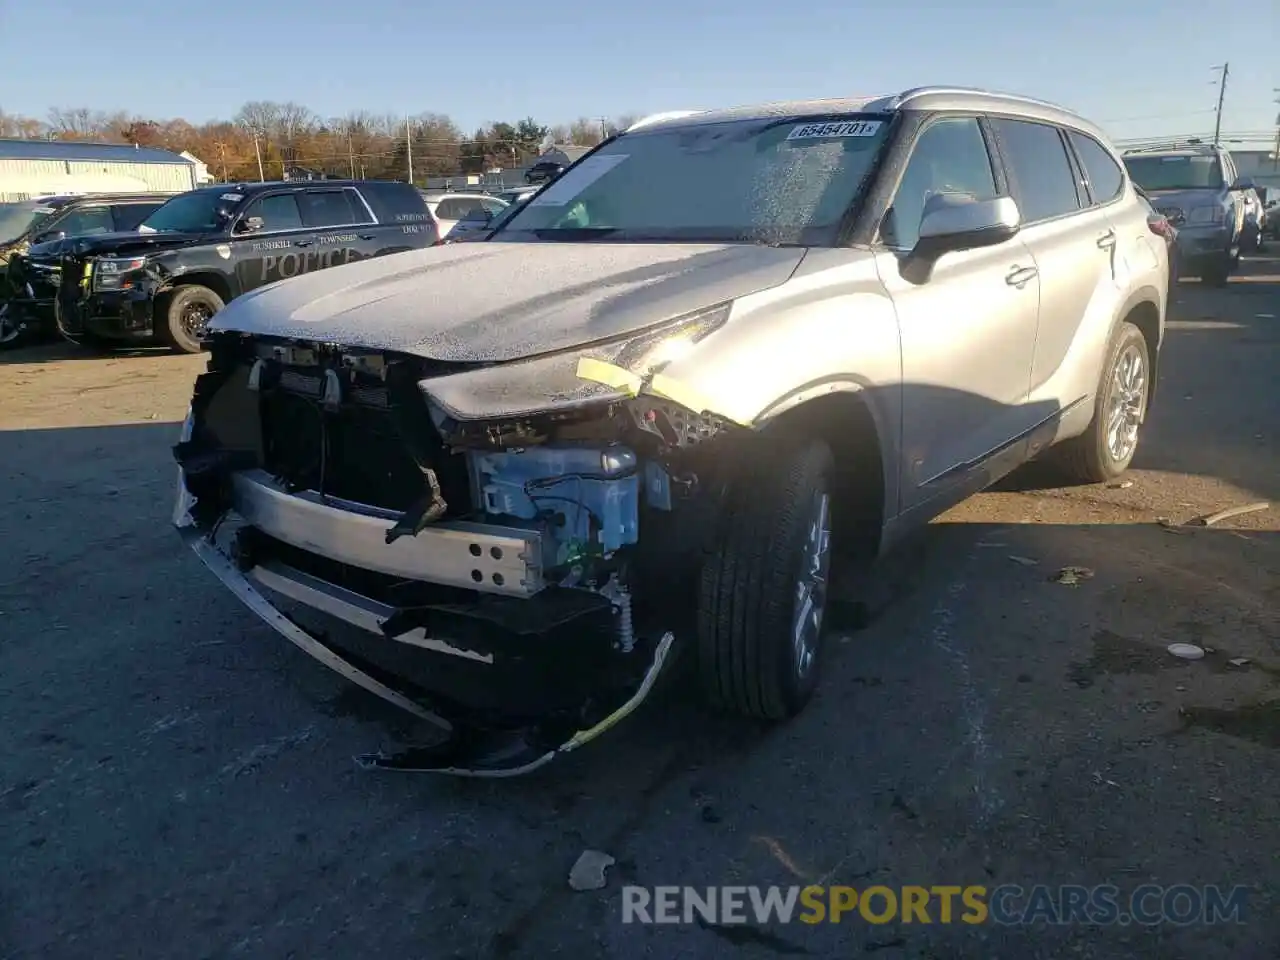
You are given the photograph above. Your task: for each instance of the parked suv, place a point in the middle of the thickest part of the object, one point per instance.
(640, 418)
(206, 247)
(26, 295)
(1196, 186)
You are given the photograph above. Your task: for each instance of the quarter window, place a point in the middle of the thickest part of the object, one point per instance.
(950, 157)
(1104, 176)
(1042, 180)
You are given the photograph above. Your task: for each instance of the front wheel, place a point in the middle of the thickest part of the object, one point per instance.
(185, 314)
(1106, 449)
(14, 332)
(762, 594)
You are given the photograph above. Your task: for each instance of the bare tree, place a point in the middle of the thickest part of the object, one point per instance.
(75, 123)
(291, 122)
(585, 133)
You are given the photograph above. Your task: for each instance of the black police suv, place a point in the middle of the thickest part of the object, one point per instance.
(26, 296)
(206, 247)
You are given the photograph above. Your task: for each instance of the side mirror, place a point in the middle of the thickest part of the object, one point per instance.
(51, 235)
(1244, 183)
(956, 221)
(251, 225)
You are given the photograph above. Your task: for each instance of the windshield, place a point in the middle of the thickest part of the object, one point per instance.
(772, 181)
(199, 212)
(18, 218)
(1175, 172)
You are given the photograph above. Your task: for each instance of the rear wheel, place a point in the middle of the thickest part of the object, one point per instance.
(1106, 449)
(185, 314)
(763, 590)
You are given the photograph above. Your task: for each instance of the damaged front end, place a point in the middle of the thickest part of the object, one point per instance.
(515, 543)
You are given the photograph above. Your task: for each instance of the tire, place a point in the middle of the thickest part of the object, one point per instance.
(747, 592)
(1219, 272)
(1089, 458)
(177, 314)
(11, 337)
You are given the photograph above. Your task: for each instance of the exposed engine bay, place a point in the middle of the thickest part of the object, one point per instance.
(517, 580)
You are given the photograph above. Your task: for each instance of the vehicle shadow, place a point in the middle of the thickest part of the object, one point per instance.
(59, 351)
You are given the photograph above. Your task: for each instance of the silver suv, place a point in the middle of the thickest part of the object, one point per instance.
(1197, 188)
(640, 417)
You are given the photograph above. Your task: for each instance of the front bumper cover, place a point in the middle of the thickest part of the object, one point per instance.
(467, 750)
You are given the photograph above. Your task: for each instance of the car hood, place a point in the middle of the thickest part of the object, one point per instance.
(491, 302)
(100, 244)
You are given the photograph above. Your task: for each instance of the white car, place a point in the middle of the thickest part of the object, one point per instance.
(448, 208)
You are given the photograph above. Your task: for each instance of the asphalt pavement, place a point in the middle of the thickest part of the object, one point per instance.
(179, 783)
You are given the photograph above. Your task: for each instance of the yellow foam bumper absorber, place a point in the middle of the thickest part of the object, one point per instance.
(610, 374)
(661, 385)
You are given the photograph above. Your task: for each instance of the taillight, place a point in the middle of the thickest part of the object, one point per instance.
(1161, 227)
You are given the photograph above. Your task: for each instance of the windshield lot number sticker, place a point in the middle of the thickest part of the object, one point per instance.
(573, 182)
(849, 128)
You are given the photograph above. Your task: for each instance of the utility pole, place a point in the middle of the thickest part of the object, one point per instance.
(1275, 150)
(222, 156)
(351, 154)
(408, 133)
(257, 152)
(1222, 93)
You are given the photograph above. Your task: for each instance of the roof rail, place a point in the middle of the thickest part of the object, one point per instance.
(1190, 143)
(659, 117)
(908, 95)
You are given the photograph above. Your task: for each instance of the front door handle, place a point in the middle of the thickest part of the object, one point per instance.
(368, 236)
(1020, 276)
(303, 243)
(1107, 240)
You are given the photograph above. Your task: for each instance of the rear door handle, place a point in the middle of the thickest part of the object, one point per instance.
(368, 236)
(303, 243)
(1107, 240)
(1020, 276)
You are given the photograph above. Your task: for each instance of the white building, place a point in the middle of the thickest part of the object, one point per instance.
(30, 168)
(203, 175)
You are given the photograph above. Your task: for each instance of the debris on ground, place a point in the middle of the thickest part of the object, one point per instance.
(1186, 651)
(1212, 518)
(1170, 526)
(1121, 485)
(1025, 561)
(588, 871)
(1070, 576)
(1238, 661)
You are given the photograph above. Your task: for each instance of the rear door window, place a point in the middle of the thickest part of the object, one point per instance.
(1039, 172)
(1106, 181)
(84, 222)
(326, 208)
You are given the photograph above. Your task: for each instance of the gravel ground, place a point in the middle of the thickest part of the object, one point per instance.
(179, 780)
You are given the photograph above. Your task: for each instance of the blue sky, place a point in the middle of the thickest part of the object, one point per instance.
(502, 60)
